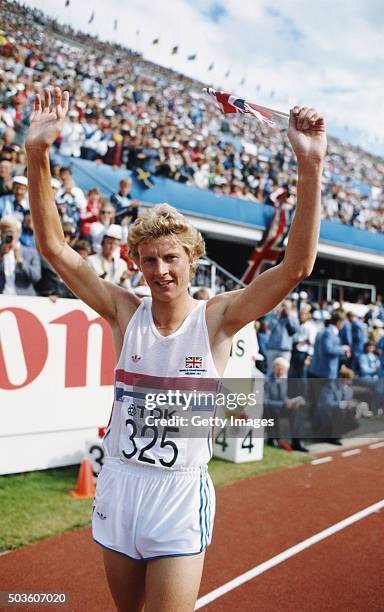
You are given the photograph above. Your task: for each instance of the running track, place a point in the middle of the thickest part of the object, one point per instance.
(256, 520)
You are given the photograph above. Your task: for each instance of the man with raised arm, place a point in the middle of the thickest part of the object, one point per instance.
(154, 505)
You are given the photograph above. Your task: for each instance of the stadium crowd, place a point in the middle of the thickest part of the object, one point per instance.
(130, 113)
(318, 356)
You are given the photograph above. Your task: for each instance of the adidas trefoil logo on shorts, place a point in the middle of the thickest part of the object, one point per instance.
(135, 358)
(101, 515)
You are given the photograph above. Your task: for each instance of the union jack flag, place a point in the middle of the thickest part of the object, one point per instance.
(230, 104)
(194, 362)
(271, 247)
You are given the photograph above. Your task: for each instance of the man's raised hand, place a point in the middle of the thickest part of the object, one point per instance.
(307, 134)
(47, 119)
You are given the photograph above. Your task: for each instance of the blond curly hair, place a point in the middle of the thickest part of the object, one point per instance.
(165, 220)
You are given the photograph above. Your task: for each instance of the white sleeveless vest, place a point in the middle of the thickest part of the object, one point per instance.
(152, 366)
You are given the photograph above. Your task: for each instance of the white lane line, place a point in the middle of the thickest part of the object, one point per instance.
(322, 460)
(286, 554)
(349, 453)
(376, 445)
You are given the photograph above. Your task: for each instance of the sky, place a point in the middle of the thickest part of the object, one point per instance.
(325, 53)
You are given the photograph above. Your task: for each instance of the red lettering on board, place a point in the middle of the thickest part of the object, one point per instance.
(35, 347)
(76, 351)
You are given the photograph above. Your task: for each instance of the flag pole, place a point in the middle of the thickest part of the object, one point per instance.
(271, 110)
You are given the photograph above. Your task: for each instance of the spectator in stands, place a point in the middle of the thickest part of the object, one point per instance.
(19, 265)
(328, 349)
(72, 135)
(376, 331)
(282, 330)
(98, 228)
(27, 237)
(303, 343)
(91, 213)
(126, 208)
(70, 195)
(83, 248)
(368, 362)
(262, 332)
(353, 334)
(335, 411)
(380, 349)
(260, 357)
(5, 177)
(108, 264)
(15, 204)
(277, 405)
(20, 165)
(94, 143)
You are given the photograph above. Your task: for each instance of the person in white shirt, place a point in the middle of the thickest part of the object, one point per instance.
(72, 136)
(98, 228)
(108, 264)
(302, 351)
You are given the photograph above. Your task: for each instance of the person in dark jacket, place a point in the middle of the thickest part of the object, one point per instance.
(335, 412)
(277, 405)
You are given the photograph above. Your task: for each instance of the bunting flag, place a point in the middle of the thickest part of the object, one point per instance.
(144, 178)
(91, 18)
(192, 57)
(174, 50)
(230, 104)
(115, 24)
(210, 67)
(272, 246)
(155, 41)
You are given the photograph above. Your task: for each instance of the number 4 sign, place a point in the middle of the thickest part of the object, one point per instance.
(247, 447)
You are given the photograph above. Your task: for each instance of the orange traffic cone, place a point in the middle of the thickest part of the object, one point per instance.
(85, 486)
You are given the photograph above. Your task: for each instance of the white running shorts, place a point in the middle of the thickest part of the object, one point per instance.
(146, 512)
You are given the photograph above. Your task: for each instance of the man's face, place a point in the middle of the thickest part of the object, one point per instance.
(19, 192)
(125, 188)
(5, 170)
(166, 267)
(66, 178)
(279, 370)
(109, 246)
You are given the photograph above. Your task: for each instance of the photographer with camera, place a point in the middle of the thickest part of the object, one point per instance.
(19, 265)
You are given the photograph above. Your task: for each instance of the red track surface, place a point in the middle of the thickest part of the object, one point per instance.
(256, 519)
